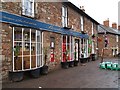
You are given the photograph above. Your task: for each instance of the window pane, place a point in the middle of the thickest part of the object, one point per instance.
(18, 48)
(18, 63)
(26, 41)
(18, 34)
(33, 61)
(26, 62)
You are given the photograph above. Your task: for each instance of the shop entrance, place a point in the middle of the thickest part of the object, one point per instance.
(77, 50)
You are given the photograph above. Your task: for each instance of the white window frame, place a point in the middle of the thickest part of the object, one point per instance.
(41, 52)
(28, 8)
(64, 16)
(117, 39)
(82, 23)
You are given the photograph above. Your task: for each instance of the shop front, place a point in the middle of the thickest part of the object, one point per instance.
(28, 41)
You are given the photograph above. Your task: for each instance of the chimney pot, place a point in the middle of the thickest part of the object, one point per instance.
(82, 8)
(114, 25)
(119, 27)
(106, 22)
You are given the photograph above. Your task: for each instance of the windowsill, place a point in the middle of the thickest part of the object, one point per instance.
(32, 17)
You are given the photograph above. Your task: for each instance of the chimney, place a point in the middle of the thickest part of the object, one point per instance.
(106, 23)
(119, 27)
(114, 25)
(82, 8)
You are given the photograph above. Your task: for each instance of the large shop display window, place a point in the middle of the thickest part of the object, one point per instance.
(67, 48)
(27, 49)
(84, 48)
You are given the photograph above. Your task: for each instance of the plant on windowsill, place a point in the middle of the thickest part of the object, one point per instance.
(16, 52)
(44, 69)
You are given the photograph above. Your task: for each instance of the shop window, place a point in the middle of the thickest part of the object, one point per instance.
(67, 48)
(28, 8)
(64, 16)
(27, 48)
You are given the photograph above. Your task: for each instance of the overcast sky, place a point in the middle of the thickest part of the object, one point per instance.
(100, 10)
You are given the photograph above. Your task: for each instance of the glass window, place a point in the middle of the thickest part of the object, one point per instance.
(64, 16)
(28, 7)
(82, 29)
(27, 48)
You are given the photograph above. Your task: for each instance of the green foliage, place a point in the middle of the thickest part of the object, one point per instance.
(16, 50)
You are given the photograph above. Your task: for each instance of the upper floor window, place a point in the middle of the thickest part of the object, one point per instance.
(28, 7)
(82, 29)
(117, 38)
(64, 16)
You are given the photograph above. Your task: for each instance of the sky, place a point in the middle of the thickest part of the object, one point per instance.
(100, 10)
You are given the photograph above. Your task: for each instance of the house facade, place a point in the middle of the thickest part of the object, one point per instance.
(112, 35)
(29, 28)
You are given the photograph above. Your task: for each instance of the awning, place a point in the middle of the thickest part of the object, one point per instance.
(28, 22)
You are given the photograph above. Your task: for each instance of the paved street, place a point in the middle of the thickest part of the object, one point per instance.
(88, 76)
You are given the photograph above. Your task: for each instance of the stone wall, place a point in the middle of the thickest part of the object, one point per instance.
(45, 12)
(57, 50)
(6, 31)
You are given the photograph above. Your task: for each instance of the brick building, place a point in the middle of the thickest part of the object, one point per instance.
(29, 28)
(112, 34)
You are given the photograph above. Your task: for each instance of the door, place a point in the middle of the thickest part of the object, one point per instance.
(76, 49)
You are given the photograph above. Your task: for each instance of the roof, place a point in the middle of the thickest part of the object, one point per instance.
(79, 11)
(103, 29)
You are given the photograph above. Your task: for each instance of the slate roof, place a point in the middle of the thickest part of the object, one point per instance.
(102, 29)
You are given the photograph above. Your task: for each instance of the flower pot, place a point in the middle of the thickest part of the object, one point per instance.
(35, 73)
(16, 76)
(64, 65)
(44, 70)
(76, 63)
(88, 59)
(71, 64)
(93, 57)
(83, 60)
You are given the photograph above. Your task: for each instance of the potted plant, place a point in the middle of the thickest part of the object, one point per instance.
(44, 69)
(65, 64)
(16, 76)
(76, 62)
